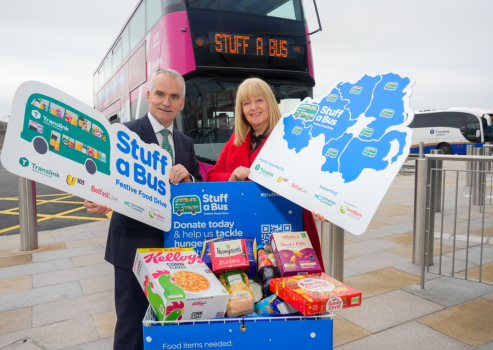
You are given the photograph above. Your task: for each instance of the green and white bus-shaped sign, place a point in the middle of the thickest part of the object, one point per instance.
(306, 111)
(57, 140)
(391, 86)
(356, 90)
(370, 152)
(387, 113)
(297, 130)
(187, 205)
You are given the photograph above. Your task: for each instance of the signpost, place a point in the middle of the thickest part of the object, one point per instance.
(59, 141)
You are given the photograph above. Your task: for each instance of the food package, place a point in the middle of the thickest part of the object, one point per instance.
(229, 255)
(294, 253)
(273, 305)
(256, 290)
(241, 296)
(251, 253)
(315, 293)
(178, 285)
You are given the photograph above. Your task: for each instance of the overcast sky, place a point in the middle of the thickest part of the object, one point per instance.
(445, 44)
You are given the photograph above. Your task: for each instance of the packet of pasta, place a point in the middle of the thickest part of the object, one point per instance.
(178, 285)
(241, 296)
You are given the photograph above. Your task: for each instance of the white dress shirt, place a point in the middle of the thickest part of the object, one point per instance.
(158, 127)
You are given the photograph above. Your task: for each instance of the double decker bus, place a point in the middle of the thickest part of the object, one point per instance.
(215, 45)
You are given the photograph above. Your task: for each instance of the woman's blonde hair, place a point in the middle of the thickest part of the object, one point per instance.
(253, 87)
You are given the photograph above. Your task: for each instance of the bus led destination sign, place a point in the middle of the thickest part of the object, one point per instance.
(228, 43)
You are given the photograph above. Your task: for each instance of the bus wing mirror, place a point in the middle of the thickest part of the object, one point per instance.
(478, 133)
(318, 18)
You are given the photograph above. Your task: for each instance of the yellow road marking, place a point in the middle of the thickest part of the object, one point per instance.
(45, 201)
(110, 214)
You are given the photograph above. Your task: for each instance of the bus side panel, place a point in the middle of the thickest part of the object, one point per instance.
(177, 45)
(311, 69)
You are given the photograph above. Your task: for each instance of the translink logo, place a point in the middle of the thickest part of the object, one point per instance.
(257, 167)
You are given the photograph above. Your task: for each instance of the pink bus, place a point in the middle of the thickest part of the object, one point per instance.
(215, 45)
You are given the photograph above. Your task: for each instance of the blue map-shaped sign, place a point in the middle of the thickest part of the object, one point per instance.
(378, 100)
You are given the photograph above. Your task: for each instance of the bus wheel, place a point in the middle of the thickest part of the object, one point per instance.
(445, 147)
(179, 212)
(193, 211)
(91, 166)
(40, 145)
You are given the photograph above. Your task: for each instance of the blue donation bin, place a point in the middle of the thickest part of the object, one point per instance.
(312, 332)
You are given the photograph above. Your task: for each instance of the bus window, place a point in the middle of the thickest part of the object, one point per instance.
(137, 26)
(452, 120)
(472, 126)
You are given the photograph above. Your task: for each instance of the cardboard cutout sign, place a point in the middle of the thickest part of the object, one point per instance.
(61, 142)
(338, 155)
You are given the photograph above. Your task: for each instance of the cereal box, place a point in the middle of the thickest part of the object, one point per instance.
(178, 285)
(315, 293)
(229, 255)
(294, 253)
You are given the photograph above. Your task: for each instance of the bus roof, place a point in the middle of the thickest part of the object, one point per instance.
(475, 111)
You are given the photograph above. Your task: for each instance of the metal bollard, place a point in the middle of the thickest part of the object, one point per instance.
(438, 181)
(28, 214)
(333, 250)
(421, 149)
(420, 213)
(469, 152)
(477, 180)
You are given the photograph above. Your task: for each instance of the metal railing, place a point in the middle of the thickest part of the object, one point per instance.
(431, 188)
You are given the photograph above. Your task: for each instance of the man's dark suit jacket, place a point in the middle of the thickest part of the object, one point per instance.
(125, 234)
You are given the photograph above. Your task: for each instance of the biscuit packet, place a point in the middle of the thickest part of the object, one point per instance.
(229, 255)
(241, 296)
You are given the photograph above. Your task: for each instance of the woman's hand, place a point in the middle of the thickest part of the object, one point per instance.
(239, 174)
(320, 217)
(96, 209)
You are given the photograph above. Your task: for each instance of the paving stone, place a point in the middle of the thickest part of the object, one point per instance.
(368, 247)
(475, 254)
(42, 248)
(17, 245)
(415, 270)
(72, 308)
(85, 260)
(398, 228)
(488, 296)
(345, 331)
(101, 344)
(67, 253)
(15, 284)
(375, 261)
(488, 346)
(486, 273)
(98, 284)
(380, 281)
(15, 260)
(30, 269)
(67, 237)
(349, 273)
(55, 277)
(105, 323)
(65, 334)
(403, 238)
(37, 296)
(23, 346)
(459, 265)
(376, 224)
(10, 338)
(458, 243)
(86, 242)
(449, 291)
(15, 320)
(407, 251)
(393, 220)
(456, 321)
(368, 235)
(17, 236)
(100, 233)
(388, 310)
(408, 336)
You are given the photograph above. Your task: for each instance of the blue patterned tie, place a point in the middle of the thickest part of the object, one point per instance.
(167, 145)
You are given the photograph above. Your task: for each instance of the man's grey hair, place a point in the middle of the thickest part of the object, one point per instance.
(170, 73)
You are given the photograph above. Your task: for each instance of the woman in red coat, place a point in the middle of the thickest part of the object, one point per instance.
(259, 112)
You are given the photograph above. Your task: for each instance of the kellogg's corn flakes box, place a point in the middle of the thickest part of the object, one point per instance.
(178, 285)
(315, 293)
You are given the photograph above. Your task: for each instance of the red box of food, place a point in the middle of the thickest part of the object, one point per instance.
(228, 255)
(315, 293)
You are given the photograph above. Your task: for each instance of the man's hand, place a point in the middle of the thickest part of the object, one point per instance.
(320, 217)
(178, 174)
(96, 209)
(239, 174)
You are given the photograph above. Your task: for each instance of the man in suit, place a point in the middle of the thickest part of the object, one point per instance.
(166, 99)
